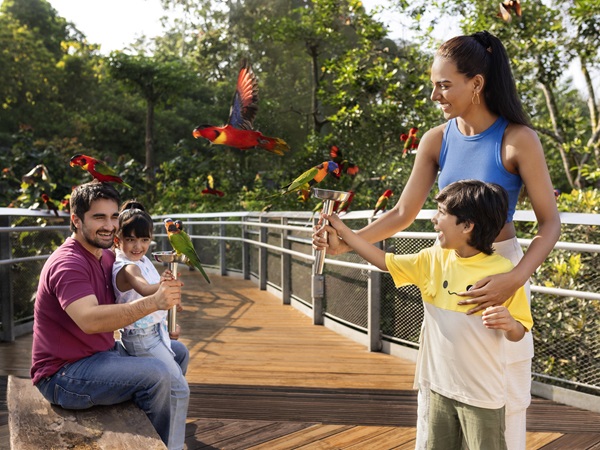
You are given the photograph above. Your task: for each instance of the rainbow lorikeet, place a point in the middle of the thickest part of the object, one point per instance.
(335, 154)
(238, 131)
(311, 177)
(343, 207)
(182, 244)
(98, 169)
(506, 7)
(382, 201)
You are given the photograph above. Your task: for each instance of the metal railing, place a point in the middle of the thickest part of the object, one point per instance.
(274, 250)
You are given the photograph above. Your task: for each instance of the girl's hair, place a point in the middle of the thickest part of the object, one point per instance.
(483, 53)
(485, 205)
(134, 220)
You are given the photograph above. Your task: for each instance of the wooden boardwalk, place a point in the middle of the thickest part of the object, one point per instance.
(263, 377)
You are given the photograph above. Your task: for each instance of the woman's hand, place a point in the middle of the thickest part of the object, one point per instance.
(490, 291)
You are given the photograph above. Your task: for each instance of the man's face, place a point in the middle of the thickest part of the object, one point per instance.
(99, 224)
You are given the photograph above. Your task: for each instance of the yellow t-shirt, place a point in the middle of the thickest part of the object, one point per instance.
(458, 356)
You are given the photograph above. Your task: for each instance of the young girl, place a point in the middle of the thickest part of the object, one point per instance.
(135, 276)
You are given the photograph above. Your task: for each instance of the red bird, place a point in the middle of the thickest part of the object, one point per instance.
(335, 154)
(410, 141)
(50, 204)
(211, 187)
(98, 169)
(238, 131)
(382, 201)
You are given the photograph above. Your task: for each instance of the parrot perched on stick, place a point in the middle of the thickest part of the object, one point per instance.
(382, 201)
(343, 207)
(311, 177)
(182, 244)
(98, 169)
(238, 131)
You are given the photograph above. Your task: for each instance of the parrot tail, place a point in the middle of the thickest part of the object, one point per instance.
(274, 145)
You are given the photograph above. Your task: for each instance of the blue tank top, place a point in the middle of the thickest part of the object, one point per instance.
(478, 157)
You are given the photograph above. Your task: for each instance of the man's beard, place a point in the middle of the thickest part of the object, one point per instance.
(96, 241)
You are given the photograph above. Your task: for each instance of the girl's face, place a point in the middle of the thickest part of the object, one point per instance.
(452, 90)
(133, 247)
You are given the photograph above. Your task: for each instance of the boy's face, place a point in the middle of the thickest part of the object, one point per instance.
(450, 234)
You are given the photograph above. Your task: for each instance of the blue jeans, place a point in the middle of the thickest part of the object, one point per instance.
(113, 376)
(148, 342)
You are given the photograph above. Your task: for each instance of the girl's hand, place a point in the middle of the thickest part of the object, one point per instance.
(167, 275)
(331, 243)
(490, 291)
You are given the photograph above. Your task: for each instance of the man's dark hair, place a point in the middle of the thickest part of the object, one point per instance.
(83, 196)
(485, 205)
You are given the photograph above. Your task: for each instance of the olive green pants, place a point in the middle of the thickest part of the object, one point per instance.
(451, 422)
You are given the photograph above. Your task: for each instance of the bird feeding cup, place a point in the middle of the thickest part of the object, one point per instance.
(329, 198)
(171, 259)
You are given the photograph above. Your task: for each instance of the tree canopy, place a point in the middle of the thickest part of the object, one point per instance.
(329, 75)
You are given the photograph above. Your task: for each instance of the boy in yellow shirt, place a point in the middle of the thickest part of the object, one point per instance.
(462, 358)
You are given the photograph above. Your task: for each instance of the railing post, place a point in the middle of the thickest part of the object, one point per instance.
(222, 259)
(245, 250)
(262, 257)
(374, 302)
(286, 264)
(6, 287)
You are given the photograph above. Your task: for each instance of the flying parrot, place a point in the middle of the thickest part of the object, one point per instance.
(50, 204)
(335, 154)
(238, 131)
(410, 141)
(211, 187)
(382, 201)
(505, 8)
(38, 172)
(182, 244)
(98, 169)
(311, 177)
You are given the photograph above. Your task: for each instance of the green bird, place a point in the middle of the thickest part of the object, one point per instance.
(311, 177)
(182, 244)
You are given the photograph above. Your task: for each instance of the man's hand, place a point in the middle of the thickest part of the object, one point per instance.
(168, 294)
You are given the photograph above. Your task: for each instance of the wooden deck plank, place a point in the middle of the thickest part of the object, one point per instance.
(263, 377)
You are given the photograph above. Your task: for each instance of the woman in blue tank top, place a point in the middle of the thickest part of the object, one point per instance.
(487, 136)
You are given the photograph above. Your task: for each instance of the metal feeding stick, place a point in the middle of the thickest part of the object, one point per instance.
(329, 198)
(171, 259)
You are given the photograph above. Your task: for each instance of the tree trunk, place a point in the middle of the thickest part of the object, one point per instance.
(149, 169)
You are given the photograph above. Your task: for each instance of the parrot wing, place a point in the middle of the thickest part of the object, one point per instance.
(182, 244)
(245, 99)
(303, 179)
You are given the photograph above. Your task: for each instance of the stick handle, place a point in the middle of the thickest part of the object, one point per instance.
(172, 314)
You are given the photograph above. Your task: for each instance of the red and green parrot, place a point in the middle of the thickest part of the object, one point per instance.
(98, 169)
(343, 207)
(382, 201)
(311, 177)
(410, 141)
(50, 204)
(238, 131)
(211, 187)
(182, 244)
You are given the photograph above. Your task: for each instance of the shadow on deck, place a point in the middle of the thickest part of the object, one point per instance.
(263, 377)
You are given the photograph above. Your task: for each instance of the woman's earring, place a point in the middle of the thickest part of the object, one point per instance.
(475, 99)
